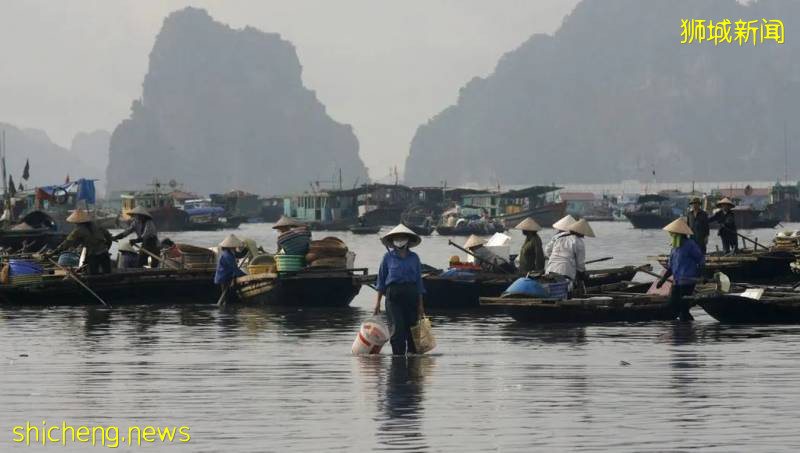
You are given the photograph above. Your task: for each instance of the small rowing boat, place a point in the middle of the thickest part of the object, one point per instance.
(464, 289)
(307, 287)
(130, 286)
(753, 305)
(601, 307)
(748, 266)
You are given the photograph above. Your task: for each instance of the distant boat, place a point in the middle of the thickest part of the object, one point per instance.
(365, 229)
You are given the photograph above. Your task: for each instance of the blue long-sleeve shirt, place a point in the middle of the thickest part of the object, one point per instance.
(396, 269)
(686, 263)
(227, 268)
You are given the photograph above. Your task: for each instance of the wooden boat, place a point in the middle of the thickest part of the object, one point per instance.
(309, 287)
(422, 230)
(772, 306)
(649, 219)
(546, 215)
(600, 307)
(35, 231)
(139, 286)
(467, 229)
(444, 292)
(749, 266)
(365, 229)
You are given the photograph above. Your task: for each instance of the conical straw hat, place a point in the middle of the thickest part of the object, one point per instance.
(413, 238)
(287, 222)
(679, 226)
(565, 221)
(79, 216)
(725, 200)
(473, 241)
(138, 210)
(231, 242)
(582, 227)
(528, 225)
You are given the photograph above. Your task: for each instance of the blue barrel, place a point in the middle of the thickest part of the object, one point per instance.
(24, 267)
(526, 286)
(69, 259)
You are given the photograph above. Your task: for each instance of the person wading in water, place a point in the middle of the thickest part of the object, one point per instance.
(400, 280)
(684, 265)
(227, 267)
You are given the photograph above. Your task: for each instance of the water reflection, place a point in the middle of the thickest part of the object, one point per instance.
(401, 401)
(545, 333)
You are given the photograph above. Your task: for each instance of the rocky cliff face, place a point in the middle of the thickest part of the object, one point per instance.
(49, 162)
(613, 95)
(224, 109)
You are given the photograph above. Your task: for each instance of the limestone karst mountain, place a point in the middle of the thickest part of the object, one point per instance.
(613, 95)
(223, 108)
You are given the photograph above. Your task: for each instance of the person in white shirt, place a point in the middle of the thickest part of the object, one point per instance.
(567, 252)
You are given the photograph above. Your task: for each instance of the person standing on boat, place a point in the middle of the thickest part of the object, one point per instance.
(561, 230)
(146, 234)
(684, 266)
(488, 260)
(698, 223)
(227, 266)
(531, 255)
(727, 226)
(95, 239)
(568, 253)
(400, 280)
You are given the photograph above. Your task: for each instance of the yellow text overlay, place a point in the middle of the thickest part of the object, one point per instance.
(108, 436)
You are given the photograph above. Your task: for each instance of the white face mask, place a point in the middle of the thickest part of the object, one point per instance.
(400, 243)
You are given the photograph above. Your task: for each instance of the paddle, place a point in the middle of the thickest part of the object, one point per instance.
(494, 266)
(78, 281)
(221, 300)
(598, 260)
(754, 242)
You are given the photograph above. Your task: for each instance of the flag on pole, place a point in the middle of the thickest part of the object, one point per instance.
(67, 180)
(26, 173)
(12, 189)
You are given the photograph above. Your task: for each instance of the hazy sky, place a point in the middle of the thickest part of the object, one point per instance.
(382, 66)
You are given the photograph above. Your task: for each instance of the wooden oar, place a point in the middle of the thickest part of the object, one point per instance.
(754, 242)
(598, 260)
(221, 300)
(494, 266)
(78, 281)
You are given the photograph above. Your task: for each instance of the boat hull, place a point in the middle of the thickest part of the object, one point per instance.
(648, 220)
(545, 215)
(628, 308)
(31, 240)
(758, 267)
(732, 309)
(312, 289)
(454, 293)
(134, 287)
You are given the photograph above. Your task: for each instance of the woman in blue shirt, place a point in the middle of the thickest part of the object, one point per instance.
(400, 280)
(685, 265)
(227, 267)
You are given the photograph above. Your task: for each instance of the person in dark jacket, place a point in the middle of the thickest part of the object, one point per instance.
(146, 234)
(400, 279)
(95, 239)
(698, 222)
(227, 267)
(684, 266)
(727, 226)
(531, 255)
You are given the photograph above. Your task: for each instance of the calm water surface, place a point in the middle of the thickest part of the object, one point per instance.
(267, 379)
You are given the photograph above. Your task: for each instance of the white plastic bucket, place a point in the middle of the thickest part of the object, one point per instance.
(371, 337)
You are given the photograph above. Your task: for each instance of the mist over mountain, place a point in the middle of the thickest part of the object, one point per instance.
(51, 163)
(226, 109)
(613, 95)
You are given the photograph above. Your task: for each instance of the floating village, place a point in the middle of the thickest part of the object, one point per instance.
(51, 258)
